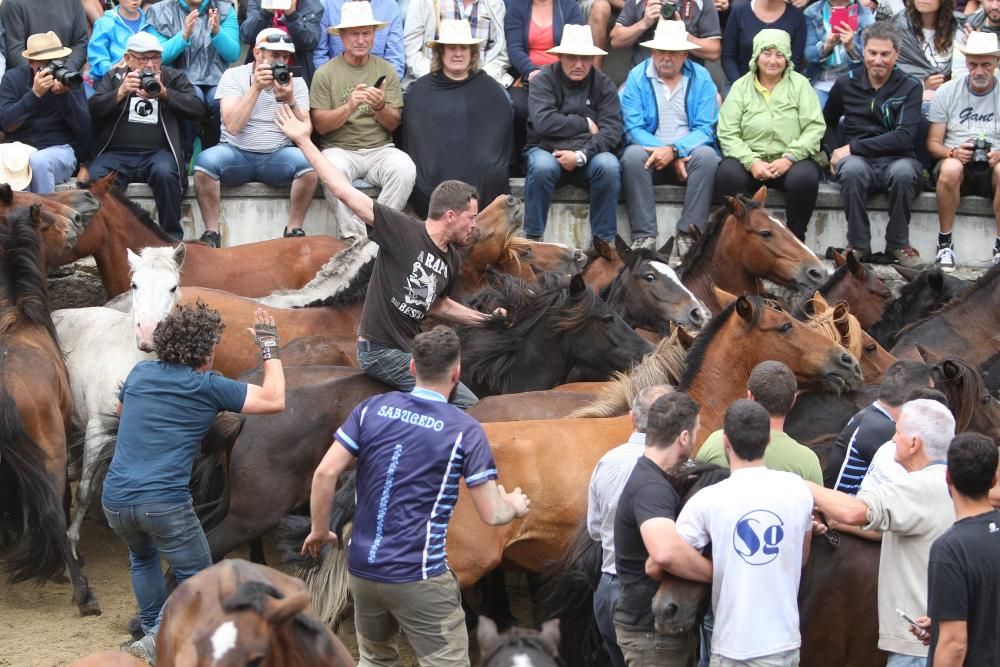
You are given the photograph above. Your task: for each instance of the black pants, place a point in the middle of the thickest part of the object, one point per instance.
(519, 98)
(800, 185)
(159, 170)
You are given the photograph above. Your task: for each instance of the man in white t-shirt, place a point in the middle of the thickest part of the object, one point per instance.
(253, 147)
(759, 524)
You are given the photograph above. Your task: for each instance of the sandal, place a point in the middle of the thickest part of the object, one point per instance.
(211, 238)
(297, 231)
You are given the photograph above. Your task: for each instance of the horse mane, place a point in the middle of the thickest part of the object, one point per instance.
(664, 366)
(342, 281)
(828, 324)
(690, 477)
(141, 214)
(251, 595)
(23, 284)
(705, 245)
(159, 258)
(696, 355)
(983, 283)
(964, 391)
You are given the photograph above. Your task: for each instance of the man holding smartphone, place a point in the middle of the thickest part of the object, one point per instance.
(356, 106)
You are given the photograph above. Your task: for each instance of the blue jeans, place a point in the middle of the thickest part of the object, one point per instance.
(233, 166)
(50, 167)
(189, 128)
(159, 170)
(392, 366)
(900, 660)
(605, 601)
(601, 174)
(152, 530)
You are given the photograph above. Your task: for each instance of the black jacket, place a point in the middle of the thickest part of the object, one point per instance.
(876, 123)
(558, 109)
(303, 26)
(23, 18)
(41, 122)
(182, 103)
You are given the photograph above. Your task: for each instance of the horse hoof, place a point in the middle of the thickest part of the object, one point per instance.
(90, 606)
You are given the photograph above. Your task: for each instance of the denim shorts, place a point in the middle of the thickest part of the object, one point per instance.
(232, 166)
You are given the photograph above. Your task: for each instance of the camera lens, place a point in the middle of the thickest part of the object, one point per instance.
(667, 10)
(149, 84)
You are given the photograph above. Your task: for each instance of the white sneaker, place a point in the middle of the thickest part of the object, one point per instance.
(946, 258)
(996, 255)
(648, 243)
(144, 649)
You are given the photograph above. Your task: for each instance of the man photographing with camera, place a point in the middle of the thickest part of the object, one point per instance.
(253, 147)
(43, 112)
(639, 19)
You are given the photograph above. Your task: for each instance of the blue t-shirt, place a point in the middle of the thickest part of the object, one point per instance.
(166, 410)
(132, 25)
(412, 450)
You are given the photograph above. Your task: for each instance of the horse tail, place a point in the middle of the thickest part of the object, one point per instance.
(209, 476)
(43, 551)
(567, 593)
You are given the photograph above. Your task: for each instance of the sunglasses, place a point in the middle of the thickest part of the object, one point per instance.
(276, 39)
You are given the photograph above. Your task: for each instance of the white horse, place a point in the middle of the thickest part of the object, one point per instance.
(102, 346)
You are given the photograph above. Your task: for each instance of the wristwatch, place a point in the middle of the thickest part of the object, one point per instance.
(581, 158)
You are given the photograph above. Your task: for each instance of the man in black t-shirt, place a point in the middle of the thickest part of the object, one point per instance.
(415, 271)
(963, 577)
(644, 526)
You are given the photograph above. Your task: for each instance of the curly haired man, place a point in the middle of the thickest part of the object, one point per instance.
(166, 406)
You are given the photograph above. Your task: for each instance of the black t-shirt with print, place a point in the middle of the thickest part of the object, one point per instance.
(139, 129)
(410, 273)
(963, 584)
(647, 494)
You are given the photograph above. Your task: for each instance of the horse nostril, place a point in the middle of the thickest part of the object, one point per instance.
(848, 360)
(670, 610)
(696, 317)
(815, 275)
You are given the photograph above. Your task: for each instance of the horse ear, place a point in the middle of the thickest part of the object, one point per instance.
(668, 248)
(577, 286)
(819, 304)
(280, 611)
(179, 253)
(735, 206)
(133, 259)
(486, 634)
(36, 215)
(839, 259)
(908, 274)
(723, 297)
(949, 369)
(744, 307)
(550, 635)
(621, 246)
(6, 194)
(935, 280)
(854, 265)
(761, 195)
(603, 249)
(929, 357)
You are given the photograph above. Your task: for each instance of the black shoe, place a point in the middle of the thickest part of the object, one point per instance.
(211, 238)
(298, 231)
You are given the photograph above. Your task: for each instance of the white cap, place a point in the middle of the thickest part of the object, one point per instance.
(143, 42)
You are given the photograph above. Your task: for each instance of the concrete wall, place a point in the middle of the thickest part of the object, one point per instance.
(255, 212)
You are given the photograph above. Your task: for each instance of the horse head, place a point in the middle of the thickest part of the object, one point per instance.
(969, 399)
(156, 277)
(858, 287)
(764, 247)
(518, 646)
(840, 325)
(495, 225)
(77, 214)
(603, 265)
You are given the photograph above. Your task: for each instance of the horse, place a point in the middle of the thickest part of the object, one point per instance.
(842, 324)
(518, 647)
(78, 211)
(240, 613)
(547, 404)
(35, 403)
(924, 292)
(604, 264)
(744, 244)
(549, 330)
(101, 346)
(855, 285)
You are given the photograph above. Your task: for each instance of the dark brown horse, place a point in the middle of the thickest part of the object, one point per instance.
(35, 403)
(857, 286)
(924, 292)
(518, 647)
(743, 245)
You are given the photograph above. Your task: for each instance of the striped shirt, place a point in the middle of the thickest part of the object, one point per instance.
(412, 450)
(868, 430)
(261, 134)
(671, 107)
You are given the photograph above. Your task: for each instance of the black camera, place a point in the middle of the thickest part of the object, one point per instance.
(64, 75)
(282, 73)
(981, 152)
(148, 83)
(668, 10)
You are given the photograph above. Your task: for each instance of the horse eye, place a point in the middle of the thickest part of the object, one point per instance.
(608, 318)
(870, 349)
(786, 327)
(173, 289)
(766, 234)
(133, 287)
(649, 277)
(255, 662)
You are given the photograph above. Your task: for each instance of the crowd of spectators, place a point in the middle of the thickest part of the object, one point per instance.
(887, 97)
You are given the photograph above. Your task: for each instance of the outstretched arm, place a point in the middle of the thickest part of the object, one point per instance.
(495, 505)
(333, 179)
(324, 486)
(448, 309)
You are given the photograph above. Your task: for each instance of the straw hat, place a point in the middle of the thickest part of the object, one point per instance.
(670, 36)
(457, 32)
(45, 46)
(356, 15)
(15, 170)
(981, 44)
(577, 40)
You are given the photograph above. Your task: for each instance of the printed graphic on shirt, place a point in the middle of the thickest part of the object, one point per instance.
(143, 111)
(757, 536)
(421, 286)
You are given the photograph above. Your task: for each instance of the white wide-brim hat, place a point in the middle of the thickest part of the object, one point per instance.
(981, 44)
(15, 168)
(577, 40)
(45, 46)
(356, 15)
(457, 32)
(670, 36)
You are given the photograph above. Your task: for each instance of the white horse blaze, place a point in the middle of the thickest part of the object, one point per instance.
(797, 239)
(670, 274)
(223, 639)
(522, 660)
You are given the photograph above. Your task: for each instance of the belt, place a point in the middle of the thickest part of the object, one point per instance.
(370, 346)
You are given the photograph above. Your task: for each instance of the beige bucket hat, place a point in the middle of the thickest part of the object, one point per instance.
(356, 15)
(15, 169)
(670, 36)
(577, 40)
(981, 44)
(45, 46)
(457, 32)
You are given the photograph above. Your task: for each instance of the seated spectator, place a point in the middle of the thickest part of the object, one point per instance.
(253, 147)
(356, 106)
(962, 118)
(472, 145)
(831, 50)
(872, 148)
(532, 28)
(49, 116)
(123, 114)
(111, 32)
(22, 18)
(639, 18)
(574, 131)
(202, 41)
(927, 30)
(388, 43)
(670, 106)
(770, 128)
(301, 20)
(486, 19)
(746, 19)
(986, 19)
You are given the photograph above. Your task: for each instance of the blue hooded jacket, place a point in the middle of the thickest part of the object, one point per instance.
(204, 57)
(107, 41)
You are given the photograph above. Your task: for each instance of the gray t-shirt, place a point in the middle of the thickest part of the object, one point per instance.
(700, 18)
(966, 114)
(261, 134)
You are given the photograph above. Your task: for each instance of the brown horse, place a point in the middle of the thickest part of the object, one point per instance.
(857, 286)
(603, 265)
(840, 324)
(35, 403)
(525, 405)
(61, 226)
(743, 245)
